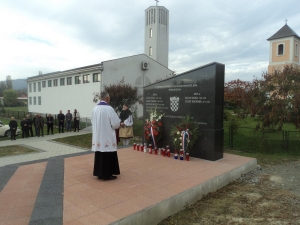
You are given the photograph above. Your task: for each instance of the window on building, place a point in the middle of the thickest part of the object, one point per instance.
(69, 80)
(44, 84)
(86, 79)
(30, 100)
(150, 50)
(55, 82)
(34, 100)
(34, 87)
(49, 83)
(151, 32)
(77, 79)
(96, 77)
(280, 49)
(39, 100)
(39, 87)
(62, 81)
(296, 50)
(30, 88)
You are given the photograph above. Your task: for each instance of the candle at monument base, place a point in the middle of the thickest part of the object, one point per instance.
(159, 151)
(187, 156)
(134, 146)
(168, 153)
(176, 154)
(142, 148)
(150, 149)
(181, 154)
(138, 147)
(145, 149)
(164, 152)
(155, 151)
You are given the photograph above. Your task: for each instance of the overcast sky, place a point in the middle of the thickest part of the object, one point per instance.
(55, 35)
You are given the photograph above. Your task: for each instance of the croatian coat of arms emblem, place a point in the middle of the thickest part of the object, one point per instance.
(174, 103)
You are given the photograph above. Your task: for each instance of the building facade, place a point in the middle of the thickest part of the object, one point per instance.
(284, 49)
(75, 88)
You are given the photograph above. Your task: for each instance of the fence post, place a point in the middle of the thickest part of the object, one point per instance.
(231, 136)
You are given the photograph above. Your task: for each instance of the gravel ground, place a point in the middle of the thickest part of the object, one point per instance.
(282, 176)
(270, 194)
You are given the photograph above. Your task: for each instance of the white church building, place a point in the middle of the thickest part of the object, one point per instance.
(75, 88)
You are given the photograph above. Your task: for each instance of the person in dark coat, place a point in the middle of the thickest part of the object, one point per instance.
(40, 125)
(76, 117)
(61, 121)
(29, 123)
(50, 121)
(13, 125)
(69, 121)
(34, 124)
(24, 126)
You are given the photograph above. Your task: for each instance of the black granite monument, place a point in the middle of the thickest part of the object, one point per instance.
(199, 93)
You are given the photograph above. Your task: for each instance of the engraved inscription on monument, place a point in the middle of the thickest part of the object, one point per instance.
(199, 93)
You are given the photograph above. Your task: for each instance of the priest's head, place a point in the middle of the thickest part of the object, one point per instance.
(105, 96)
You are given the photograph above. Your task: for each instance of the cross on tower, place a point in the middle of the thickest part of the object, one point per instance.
(156, 2)
(285, 21)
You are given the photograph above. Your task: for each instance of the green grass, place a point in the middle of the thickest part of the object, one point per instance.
(83, 141)
(19, 108)
(265, 158)
(251, 122)
(15, 150)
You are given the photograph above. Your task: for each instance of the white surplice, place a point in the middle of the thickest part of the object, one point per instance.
(104, 121)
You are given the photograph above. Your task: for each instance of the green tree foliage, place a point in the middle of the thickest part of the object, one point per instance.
(3, 87)
(10, 97)
(275, 98)
(120, 93)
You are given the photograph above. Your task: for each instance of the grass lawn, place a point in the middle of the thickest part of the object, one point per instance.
(15, 150)
(264, 159)
(18, 108)
(251, 122)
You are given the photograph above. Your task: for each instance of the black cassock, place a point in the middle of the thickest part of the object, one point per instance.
(106, 164)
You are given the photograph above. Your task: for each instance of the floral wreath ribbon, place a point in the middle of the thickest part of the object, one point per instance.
(185, 139)
(153, 137)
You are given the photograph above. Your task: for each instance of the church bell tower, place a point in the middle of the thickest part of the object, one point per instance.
(157, 33)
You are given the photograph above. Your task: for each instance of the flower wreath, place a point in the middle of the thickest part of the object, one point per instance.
(153, 128)
(185, 134)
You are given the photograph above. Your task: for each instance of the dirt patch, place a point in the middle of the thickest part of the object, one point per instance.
(267, 195)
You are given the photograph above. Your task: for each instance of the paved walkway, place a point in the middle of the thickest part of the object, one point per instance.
(44, 144)
(44, 189)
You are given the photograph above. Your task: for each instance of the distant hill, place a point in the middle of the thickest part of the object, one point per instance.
(19, 84)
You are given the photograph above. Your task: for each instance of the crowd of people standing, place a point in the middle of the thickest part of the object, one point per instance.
(38, 122)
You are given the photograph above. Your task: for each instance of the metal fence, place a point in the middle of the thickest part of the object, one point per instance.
(267, 141)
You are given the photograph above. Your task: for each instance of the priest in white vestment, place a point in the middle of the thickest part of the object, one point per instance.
(104, 121)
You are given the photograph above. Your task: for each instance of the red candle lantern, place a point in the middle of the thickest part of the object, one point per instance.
(134, 146)
(187, 156)
(155, 151)
(169, 153)
(142, 148)
(164, 152)
(138, 147)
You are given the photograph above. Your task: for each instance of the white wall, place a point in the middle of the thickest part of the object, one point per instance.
(131, 69)
(80, 96)
(67, 97)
